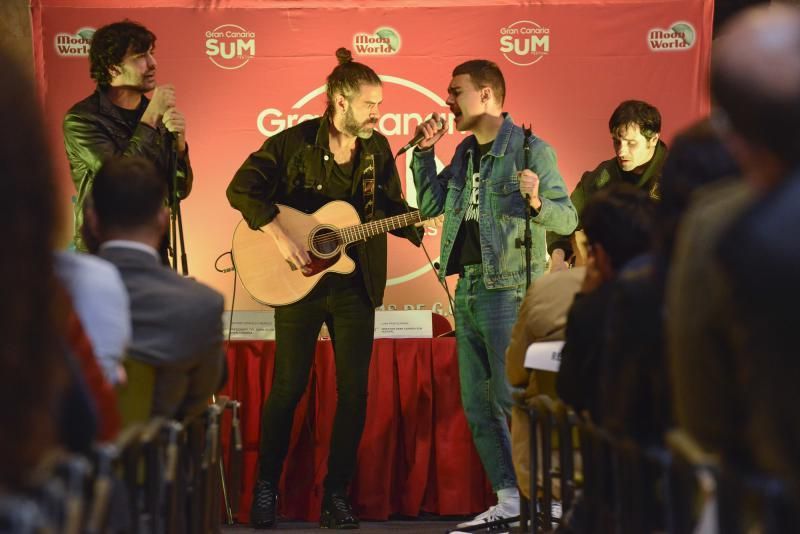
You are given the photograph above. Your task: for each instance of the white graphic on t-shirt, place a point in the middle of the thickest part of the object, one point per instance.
(472, 209)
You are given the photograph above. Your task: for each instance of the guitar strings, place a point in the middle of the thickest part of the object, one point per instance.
(350, 231)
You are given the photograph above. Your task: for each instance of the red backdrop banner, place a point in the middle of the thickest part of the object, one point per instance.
(244, 71)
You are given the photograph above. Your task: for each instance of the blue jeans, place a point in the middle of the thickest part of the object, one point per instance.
(484, 320)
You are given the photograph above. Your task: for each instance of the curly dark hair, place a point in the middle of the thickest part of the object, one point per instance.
(32, 363)
(645, 115)
(110, 44)
(347, 78)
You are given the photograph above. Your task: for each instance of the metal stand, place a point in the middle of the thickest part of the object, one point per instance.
(176, 240)
(527, 238)
(228, 510)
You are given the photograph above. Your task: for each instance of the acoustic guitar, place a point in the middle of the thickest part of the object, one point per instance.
(272, 280)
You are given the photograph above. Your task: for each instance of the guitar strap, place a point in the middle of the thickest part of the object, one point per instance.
(368, 186)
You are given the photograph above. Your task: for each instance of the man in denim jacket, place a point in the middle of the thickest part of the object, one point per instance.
(484, 193)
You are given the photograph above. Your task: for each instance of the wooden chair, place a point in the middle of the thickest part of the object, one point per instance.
(546, 417)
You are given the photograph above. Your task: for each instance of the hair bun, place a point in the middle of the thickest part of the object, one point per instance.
(344, 55)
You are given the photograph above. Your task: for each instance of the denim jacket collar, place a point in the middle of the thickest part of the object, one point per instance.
(500, 144)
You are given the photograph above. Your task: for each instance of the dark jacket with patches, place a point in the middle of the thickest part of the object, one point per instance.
(291, 168)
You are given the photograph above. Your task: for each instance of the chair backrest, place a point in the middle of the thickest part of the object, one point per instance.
(745, 500)
(135, 398)
(545, 416)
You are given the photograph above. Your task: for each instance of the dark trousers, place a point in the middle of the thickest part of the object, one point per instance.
(341, 303)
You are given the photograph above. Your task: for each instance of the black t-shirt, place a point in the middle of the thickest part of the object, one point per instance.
(467, 247)
(631, 177)
(130, 116)
(339, 186)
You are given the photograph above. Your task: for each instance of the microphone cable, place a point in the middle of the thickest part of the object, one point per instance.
(233, 293)
(434, 265)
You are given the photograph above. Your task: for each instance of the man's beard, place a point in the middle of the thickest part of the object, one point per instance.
(353, 127)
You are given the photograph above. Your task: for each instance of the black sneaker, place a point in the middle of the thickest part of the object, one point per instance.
(337, 513)
(265, 498)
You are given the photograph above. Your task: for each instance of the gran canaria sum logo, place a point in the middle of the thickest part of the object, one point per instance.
(524, 42)
(382, 42)
(230, 46)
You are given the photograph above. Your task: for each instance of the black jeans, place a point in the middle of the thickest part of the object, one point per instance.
(341, 303)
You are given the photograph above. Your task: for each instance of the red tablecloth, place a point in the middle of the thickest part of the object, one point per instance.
(416, 453)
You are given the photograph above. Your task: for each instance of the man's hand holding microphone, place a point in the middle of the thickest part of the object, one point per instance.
(162, 108)
(427, 133)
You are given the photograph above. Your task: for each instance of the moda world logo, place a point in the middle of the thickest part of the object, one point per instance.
(74, 44)
(382, 42)
(230, 46)
(679, 36)
(524, 42)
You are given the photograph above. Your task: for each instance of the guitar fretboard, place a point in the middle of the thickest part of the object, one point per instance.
(360, 232)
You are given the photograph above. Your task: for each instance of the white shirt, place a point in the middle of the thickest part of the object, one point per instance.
(101, 302)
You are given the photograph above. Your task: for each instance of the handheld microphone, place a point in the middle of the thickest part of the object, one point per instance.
(417, 138)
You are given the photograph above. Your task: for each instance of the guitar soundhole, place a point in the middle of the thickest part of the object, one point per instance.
(325, 242)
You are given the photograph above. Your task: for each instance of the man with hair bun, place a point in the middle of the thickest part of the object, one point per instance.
(306, 166)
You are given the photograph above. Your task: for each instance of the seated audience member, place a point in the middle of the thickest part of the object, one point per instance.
(101, 302)
(618, 223)
(639, 154)
(542, 317)
(703, 382)
(177, 322)
(634, 383)
(100, 390)
(43, 401)
(756, 84)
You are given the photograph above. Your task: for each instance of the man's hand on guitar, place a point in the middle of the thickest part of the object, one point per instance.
(433, 222)
(294, 253)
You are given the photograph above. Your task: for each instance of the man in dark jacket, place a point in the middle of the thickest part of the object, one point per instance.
(635, 128)
(119, 120)
(336, 157)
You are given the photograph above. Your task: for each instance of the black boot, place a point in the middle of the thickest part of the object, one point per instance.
(265, 498)
(336, 512)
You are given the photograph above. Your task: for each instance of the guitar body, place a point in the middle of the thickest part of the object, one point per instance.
(268, 277)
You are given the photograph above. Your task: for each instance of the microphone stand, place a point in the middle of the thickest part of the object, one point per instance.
(527, 238)
(176, 239)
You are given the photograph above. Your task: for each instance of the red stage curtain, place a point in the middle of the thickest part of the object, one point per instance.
(416, 453)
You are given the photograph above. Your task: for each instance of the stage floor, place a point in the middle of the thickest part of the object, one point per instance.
(440, 526)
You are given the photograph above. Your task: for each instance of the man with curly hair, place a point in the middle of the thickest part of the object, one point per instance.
(119, 120)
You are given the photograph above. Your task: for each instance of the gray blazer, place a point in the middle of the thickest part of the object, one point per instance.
(177, 328)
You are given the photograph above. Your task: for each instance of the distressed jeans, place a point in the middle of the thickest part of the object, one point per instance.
(484, 320)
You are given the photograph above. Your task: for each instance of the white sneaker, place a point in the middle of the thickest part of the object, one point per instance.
(555, 510)
(495, 513)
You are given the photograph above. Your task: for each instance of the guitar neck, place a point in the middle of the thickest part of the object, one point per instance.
(361, 232)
